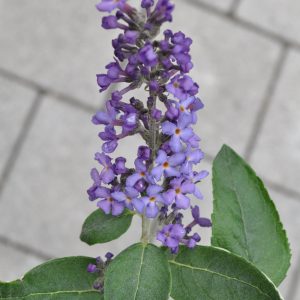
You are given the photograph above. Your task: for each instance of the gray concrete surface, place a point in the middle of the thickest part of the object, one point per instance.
(247, 62)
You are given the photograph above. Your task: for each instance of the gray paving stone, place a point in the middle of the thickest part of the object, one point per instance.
(15, 102)
(216, 53)
(232, 82)
(278, 16)
(222, 4)
(50, 182)
(296, 293)
(14, 264)
(288, 209)
(277, 154)
(59, 44)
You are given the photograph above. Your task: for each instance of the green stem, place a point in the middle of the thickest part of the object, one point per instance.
(149, 227)
(153, 133)
(145, 230)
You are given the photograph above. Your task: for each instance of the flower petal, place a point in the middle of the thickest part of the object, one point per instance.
(151, 210)
(119, 196)
(175, 143)
(176, 159)
(168, 128)
(105, 205)
(132, 179)
(117, 208)
(186, 134)
(196, 156)
(161, 157)
(131, 192)
(107, 175)
(157, 172)
(182, 201)
(198, 193)
(169, 197)
(154, 189)
(102, 192)
(171, 172)
(187, 187)
(139, 205)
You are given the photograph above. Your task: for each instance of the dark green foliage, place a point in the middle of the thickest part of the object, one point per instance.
(59, 279)
(102, 228)
(245, 220)
(210, 273)
(140, 272)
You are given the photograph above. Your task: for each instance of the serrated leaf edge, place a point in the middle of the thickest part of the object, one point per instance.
(275, 212)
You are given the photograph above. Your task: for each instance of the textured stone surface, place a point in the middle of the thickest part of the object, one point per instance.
(288, 209)
(15, 102)
(277, 155)
(223, 4)
(232, 82)
(296, 293)
(279, 16)
(58, 44)
(14, 264)
(50, 180)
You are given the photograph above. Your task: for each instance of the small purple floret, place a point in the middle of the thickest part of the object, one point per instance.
(171, 235)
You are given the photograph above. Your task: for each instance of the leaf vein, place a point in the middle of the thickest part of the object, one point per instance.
(234, 188)
(50, 293)
(218, 274)
(139, 274)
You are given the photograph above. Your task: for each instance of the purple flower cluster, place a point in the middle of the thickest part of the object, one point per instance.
(163, 179)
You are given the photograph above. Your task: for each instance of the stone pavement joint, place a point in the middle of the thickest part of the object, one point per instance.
(24, 249)
(283, 190)
(266, 102)
(16, 149)
(234, 7)
(245, 24)
(292, 294)
(275, 186)
(41, 89)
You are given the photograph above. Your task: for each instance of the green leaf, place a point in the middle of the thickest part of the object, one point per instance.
(59, 279)
(212, 273)
(245, 220)
(141, 272)
(102, 228)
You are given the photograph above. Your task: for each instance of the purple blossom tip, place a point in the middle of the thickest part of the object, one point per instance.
(110, 5)
(92, 268)
(109, 256)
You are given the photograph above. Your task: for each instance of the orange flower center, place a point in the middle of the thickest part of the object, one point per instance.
(177, 131)
(166, 165)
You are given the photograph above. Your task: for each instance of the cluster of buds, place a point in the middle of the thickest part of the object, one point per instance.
(163, 179)
(99, 268)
